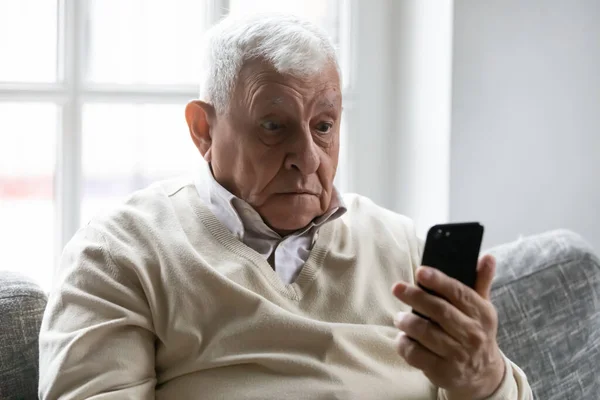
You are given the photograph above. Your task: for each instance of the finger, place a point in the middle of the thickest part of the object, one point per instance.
(460, 295)
(415, 354)
(430, 336)
(398, 289)
(486, 269)
(453, 321)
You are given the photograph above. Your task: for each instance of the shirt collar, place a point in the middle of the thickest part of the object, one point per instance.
(238, 216)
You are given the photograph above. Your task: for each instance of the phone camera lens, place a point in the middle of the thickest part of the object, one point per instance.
(447, 234)
(438, 234)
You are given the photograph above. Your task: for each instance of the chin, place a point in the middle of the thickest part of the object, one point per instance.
(289, 226)
(289, 216)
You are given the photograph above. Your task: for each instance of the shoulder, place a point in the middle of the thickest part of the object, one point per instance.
(143, 212)
(132, 231)
(369, 221)
(123, 242)
(362, 210)
(145, 202)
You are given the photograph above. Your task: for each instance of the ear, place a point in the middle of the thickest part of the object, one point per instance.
(200, 116)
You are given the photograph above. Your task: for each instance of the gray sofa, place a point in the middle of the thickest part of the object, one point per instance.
(22, 304)
(547, 292)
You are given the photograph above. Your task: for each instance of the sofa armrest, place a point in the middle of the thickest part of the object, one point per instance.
(547, 293)
(22, 305)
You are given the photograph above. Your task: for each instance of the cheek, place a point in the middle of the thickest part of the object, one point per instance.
(329, 160)
(260, 168)
(334, 157)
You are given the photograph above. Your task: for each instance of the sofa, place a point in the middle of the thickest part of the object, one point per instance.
(546, 291)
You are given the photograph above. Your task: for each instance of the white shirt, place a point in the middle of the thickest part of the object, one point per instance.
(286, 254)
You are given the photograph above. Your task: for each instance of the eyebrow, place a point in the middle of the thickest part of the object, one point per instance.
(325, 103)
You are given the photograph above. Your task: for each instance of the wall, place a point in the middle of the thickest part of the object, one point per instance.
(525, 139)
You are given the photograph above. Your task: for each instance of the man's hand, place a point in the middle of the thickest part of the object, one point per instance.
(457, 348)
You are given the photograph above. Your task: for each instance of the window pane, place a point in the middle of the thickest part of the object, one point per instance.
(28, 40)
(128, 146)
(27, 161)
(324, 13)
(145, 41)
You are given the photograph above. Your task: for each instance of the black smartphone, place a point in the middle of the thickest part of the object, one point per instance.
(454, 250)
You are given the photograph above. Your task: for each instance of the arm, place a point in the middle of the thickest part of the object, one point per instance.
(514, 386)
(96, 339)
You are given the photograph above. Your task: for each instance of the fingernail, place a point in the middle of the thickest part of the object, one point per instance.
(425, 273)
(400, 288)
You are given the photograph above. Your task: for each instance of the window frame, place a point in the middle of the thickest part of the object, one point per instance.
(70, 92)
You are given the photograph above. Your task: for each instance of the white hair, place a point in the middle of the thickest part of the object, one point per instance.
(290, 44)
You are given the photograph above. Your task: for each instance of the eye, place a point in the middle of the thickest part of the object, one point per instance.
(324, 127)
(270, 126)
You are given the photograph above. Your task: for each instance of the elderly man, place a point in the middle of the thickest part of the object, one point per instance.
(258, 280)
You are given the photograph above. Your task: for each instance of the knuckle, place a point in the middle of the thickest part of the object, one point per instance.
(438, 308)
(446, 312)
(476, 338)
(461, 295)
(420, 327)
(474, 312)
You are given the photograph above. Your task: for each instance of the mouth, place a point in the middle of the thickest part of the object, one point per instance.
(301, 192)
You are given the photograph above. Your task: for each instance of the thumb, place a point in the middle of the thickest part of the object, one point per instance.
(486, 268)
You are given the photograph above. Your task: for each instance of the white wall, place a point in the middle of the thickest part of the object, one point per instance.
(525, 139)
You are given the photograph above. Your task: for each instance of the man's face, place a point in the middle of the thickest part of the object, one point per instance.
(277, 147)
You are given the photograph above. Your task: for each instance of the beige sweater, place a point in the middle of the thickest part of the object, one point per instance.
(159, 300)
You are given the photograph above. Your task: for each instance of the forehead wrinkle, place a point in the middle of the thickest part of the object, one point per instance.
(294, 99)
(299, 91)
(325, 103)
(327, 99)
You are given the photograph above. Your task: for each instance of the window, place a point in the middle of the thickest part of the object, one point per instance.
(27, 160)
(84, 82)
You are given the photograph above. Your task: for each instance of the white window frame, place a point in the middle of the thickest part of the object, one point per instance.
(70, 92)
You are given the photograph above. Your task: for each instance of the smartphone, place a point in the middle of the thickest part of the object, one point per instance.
(454, 250)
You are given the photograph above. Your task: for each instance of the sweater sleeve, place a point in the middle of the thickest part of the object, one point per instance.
(514, 386)
(96, 339)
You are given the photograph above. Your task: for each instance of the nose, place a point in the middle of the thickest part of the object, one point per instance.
(303, 153)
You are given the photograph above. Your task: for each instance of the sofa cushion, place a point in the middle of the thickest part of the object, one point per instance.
(547, 292)
(22, 305)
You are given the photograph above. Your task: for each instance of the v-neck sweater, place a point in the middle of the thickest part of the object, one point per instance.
(286, 254)
(159, 300)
